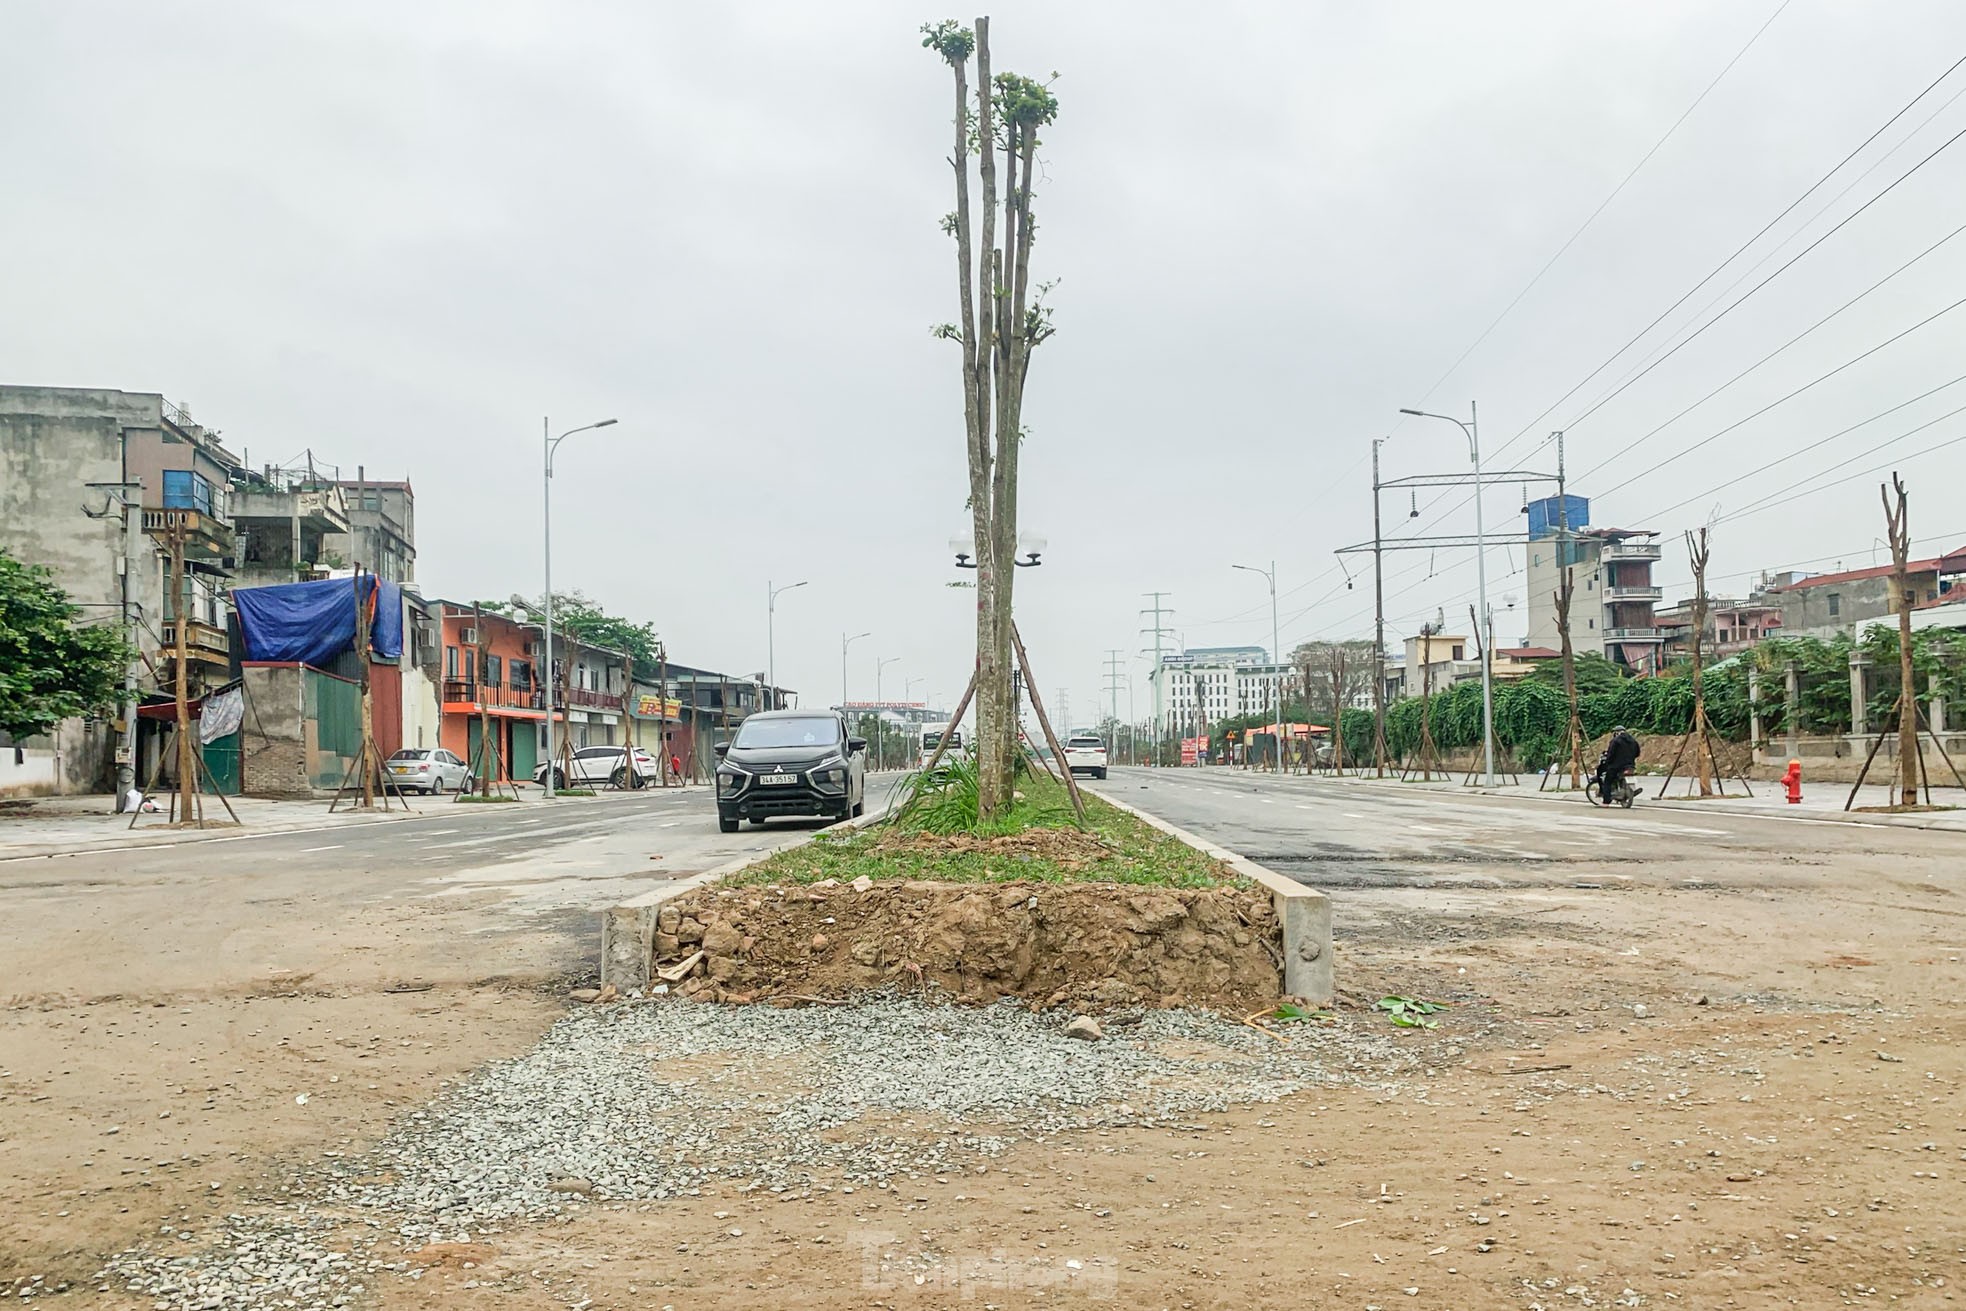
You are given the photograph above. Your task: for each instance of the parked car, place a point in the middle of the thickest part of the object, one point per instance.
(790, 762)
(427, 769)
(601, 765)
(1085, 753)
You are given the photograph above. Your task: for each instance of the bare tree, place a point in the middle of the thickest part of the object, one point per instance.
(1002, 320)
(1335, 676)
(1897, 528)
(1696, 547)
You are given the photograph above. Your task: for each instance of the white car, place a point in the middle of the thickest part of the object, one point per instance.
(601, 765)
(427, 769)
(1086, 754)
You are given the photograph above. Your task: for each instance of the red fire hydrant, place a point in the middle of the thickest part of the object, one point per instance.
(1793, 782)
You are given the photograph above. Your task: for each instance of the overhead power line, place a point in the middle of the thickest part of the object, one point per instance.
(1761, 469)
(1604, 204)
(1789, 396)
(1536, 423)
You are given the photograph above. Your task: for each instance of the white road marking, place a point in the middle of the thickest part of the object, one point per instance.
(441, 832)
(306, 851)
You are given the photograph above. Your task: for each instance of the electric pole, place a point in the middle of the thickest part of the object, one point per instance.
(1115, 659)
(1158, 632)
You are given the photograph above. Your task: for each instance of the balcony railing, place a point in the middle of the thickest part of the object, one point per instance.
(463, 691)
(1613, 551)
(203, 642)
(588, 699)
(1618, 593)
(1634, 635)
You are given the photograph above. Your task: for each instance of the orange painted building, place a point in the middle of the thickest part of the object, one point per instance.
(507, 688)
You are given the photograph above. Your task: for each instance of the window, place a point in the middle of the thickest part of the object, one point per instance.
(1835, 605)
(521, 671)
(450, 662)
(185, 490)
(493, 671)
(1457, 652)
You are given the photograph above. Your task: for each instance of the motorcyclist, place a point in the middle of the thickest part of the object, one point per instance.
(1619, 758)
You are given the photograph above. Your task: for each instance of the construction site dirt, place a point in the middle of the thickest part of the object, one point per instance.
(1733, 1080)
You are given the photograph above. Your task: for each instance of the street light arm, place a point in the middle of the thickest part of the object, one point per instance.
(1462, 424)
(553, 444)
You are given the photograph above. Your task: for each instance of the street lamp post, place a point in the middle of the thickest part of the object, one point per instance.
(846, 642)
(880, 726)
(551, 443)
(1481, 583)
(771, 630)
(1276, 653)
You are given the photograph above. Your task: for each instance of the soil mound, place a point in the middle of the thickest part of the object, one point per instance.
(1656, 753)
(1087, 945)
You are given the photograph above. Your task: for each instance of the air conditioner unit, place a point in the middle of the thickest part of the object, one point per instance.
(532, 648)
(469, 637)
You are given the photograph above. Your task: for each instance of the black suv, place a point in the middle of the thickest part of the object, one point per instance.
(791, 762)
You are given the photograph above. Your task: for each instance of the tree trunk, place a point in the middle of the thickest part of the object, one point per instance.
(1898, 527)
(1702, 754)
(993, 284)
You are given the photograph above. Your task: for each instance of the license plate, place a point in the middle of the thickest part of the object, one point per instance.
(399, 769)
(774, 779)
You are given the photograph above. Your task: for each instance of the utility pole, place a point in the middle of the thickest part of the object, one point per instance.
(187, 778)
(1158, 631)
(1114, 660)
(846, 642)
(1566, 591)
(1378, 623)
(126, 500)
(1276, 655)
(880, 724)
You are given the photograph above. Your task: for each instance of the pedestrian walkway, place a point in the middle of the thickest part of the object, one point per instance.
(56, 826)
(1821, 801)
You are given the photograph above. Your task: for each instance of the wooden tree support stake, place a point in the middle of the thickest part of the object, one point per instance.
(1044, 721)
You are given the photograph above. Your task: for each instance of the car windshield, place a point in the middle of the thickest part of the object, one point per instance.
(803, 731)
(411, 753)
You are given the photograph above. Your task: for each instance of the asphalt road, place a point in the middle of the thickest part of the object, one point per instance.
(1338, 834)
(419, 895)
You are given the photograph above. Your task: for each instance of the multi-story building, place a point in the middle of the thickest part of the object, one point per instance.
(1613, 594)
(381, 529)
(94, 483)
(285, 520)
(1732, 627)
(1824, 604)
(1204, 685)
(497, 685)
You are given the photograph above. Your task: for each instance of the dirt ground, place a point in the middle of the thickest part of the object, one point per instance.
(1090, 946)
(1780, 1124)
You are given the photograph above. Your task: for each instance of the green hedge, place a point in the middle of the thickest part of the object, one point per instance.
(1531, 714)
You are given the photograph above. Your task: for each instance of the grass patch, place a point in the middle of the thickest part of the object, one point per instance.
(473, 797)
(573, 792)
(1035, 840)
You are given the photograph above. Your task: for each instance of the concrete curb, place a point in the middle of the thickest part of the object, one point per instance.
(1305, 913)
(628, 930)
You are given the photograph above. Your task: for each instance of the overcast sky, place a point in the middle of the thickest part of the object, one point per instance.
(400, 234)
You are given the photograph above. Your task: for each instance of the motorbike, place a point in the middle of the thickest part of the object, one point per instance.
(1622, 793)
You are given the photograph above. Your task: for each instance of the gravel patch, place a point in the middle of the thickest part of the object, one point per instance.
(646, 1101)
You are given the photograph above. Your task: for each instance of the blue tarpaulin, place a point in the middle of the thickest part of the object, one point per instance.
(312, 623)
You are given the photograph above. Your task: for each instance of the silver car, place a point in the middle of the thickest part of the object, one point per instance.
(427, 769)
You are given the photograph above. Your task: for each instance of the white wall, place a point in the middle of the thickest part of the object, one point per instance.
(421, 715)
